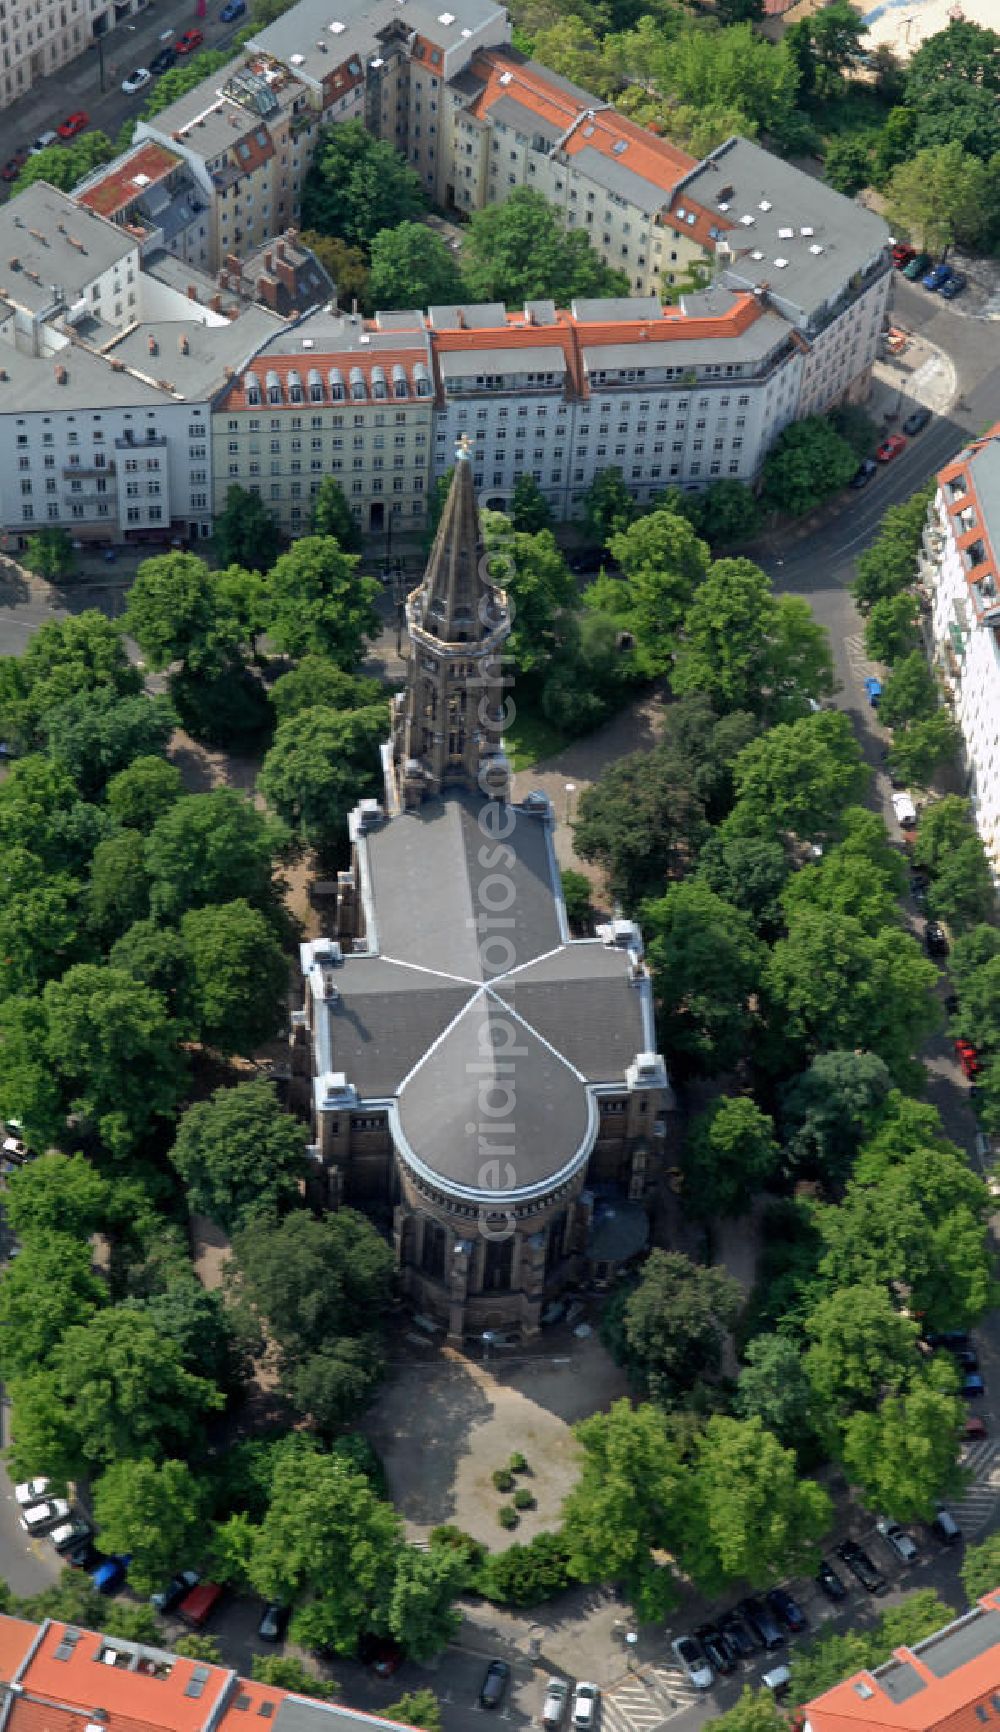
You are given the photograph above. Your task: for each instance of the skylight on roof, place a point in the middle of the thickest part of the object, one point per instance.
(765, 204)
(747, 221)
(588, 131)
(140, 180)
(446, 17)
(337, 28)
(723, 207)
(620, 146)
(864, 1690)
(815, 249)
(297, 59)
(808, 230)
(506, 78)
(779, 264)
(786, 234)
(757, 254)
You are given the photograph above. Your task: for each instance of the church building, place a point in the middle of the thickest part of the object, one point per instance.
(480, 1082)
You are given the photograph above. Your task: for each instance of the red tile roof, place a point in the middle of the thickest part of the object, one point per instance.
(16, 1637)
(131, 1700)
(947, 1683)
(120, 187)
(346, 362)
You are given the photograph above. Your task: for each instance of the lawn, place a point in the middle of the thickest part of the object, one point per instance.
(530, 738)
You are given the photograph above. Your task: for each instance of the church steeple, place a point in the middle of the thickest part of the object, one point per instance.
(447, 725)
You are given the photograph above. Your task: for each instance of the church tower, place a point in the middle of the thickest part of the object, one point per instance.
(448, 723)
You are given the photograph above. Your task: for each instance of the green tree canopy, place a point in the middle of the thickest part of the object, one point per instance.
(65, 658)
(980, 1570)
(97, 734)
(749, 650)
(623, 1512)
(863, 876)
(919, 750)
(422, 1614)
(892, 629)
(608, 506)
(774, 1388)
(669, 1330)
(316, 603)
(236, 976)
(529, 507)
(321, 764)
(749, 872)
(541, 588)
(61, 1194)
(889, 564)
(903, 1457)
(211, 848)
(642, 821)
(807, 463)
(317, 681)
(519, 251)
(729, 1156)
(245, 533)
(411, 266)
(834, 1655)
(706, 962)
(663, 562)
(910, 693)
(799, 777)
(240, 1155)
(140, 794)
(48, 1289)
(331, 512)
(748, 1512)
(49, 553)
(357, 185)
(828, 1111)
(65, 165)
(179, 611)
(154, 1512)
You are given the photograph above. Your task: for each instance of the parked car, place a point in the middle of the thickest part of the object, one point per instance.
(936, 277)
(975, 1429)
(494, 1685)
(31, 1491)
(163, 61)
(742, 1639)
(197, 1606)
(968, 1058)
(935, 938)
(109, 1575)
(866, 469)
(905, 810)
(916, 422)
(273, 1622)
(945, 1528)
(165, 1599)
(44, 141)
(786, 1607)
(902, 254)
(890, 448)
(828, 1581)
(954, 286)
(973, 1387)
(861, 1567)
(902, 1543)
(585, 1699)
(188, 41)
(136, 80)
(953, 1339)
(73, 124)
(555, 1704)
(719, 1647)
(966, 1358)
(71, 1534)
(231, 10)
(917, 266)
(762, 1622)
(691, 1657)
(382, 1653)
(83, 1556)
(776, 1679)
(13, 166)
(37, 1517)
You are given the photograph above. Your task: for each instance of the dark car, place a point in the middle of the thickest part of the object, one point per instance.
(12, 169)
(916, 422)
(163, 61)
(953, 1339)
(762, 1622)
(742, 1639)
(935, 938)
(936, 277)
(954, 286)
(720, 1648)
(967, 1358)
(494, 1685)
(231, 10)
(973, 1387)
(165, 1599)
(916, 267)
(381, 1653)
(787, 1608)
(828, 1581)
(110, 1574)
(273, 1622)
(865, 472)
(861, 1567)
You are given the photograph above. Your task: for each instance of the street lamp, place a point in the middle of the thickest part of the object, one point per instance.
(570, 791)
(631, 1642)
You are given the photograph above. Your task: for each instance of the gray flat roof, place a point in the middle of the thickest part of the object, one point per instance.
(616, 307)
(90, 383)
(618, 178)
(465, 363)
(476, 316)
(211, 349)
(900, 1680)
(509, 112)
(341, 333)
(984, 469)
(754, 344)
(302, 1714)
(38, 229)
(743, 176)
(298, 31)
(953, 1647)
(211, 122)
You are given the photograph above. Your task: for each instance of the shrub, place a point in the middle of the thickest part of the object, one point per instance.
(523, 1498)
(503, 1479)
(525, 1575)
(507, 1516)
(518, 1463)
(459, 1541)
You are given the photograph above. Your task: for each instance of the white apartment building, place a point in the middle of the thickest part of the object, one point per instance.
(37, 37)
(961, 566)
(107, 378)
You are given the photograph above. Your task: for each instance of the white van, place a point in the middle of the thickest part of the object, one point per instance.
(43, 141)
(777, 1680)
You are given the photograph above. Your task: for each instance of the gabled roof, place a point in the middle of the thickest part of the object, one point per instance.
(970, 486)
(950, 1682)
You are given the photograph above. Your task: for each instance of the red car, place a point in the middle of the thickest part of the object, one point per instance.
(73, 124)
(902, 254)
(189, 41)
(975, 1430)
(890, 448)
(13, 167)
(967, 1057)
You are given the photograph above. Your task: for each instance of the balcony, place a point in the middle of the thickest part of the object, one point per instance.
(133, 442)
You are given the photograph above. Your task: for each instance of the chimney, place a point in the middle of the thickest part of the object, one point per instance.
(14, 263)
(154, 347)
(216, 303)
(286, 275)
(269, 263)
(293, 237)
(192, 292)
(267, 292)
(460, 318)
(183, 344)
(279, 247)
(233, 265)
(61, 375)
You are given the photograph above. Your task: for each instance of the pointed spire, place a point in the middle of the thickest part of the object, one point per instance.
(453, 588)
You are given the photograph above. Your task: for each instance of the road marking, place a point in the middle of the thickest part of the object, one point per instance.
(977, 1507)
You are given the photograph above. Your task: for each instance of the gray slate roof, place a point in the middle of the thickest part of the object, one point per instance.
(211, 349)
(435, 1013)
(38, 228)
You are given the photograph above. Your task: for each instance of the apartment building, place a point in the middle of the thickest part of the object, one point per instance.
(37, 37)
(949, 1680)
(960, 565)
(107, 378)
(334, 395)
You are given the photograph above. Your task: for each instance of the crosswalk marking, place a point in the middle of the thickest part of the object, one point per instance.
(978, 1505)
(646, 1699)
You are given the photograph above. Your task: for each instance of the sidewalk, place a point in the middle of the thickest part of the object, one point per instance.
(921, 374)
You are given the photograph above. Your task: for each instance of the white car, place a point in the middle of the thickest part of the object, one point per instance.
(136, 80)
(692, 1657)
(585, 1700)
(905, 810)
(902, 1543)
(554, 1706)
(31, 1491)
(36, 1517)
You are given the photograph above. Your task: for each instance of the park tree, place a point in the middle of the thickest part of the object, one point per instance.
(892, 628)
(519, 251)
(542, 590)
(862, 876)
(49, 554)
(529, 510)
(971, 951)
(807, 463)
(154, 1512)
(980, 1570)
(944, 826)
(48, 1289)
(729, 1156)
(118, 890)
(66, 657)
(903, 1456)
(316, 603)
(568, 45)
(178, 612)
(114, 1049)
(65, 165)
(577, 892)
(331, 513)
(421, 1612)
(30, 1092)
(910, 693)
(42, 927)
(608, 506)
(749, 872)
(56, 1194)
(240, 1155)
(316, 680)
(411, 266)
(142, 792)
(96, 734)
(156, 955)
(830, 985)
(42, 814)
(749, 650)
(321, 764)
(706, 961)
(357, 185)
(194, 1319)
(663, 563)
(951, 86)
(731, 69)
(327, 1547)
(624, 1510)
(962, 890)
(847, 165)
(417, 1708)
(889, 565)
(748, 1513)
(236, 976)
(774, 1388)
(669, 1330)
(861, 1349)
(346, 266)
(286, 1672)
(799, 777)
(211, 848)
(245, 533)
(919, 750)
(828, 1111)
